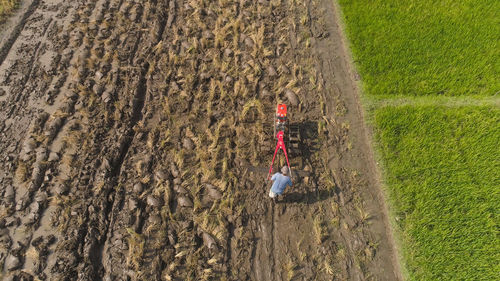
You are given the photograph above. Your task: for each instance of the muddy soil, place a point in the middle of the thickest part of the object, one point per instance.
(135, 137)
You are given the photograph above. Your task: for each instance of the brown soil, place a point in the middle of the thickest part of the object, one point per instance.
(133, 132)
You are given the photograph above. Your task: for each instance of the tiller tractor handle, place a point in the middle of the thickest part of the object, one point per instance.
(279, 145)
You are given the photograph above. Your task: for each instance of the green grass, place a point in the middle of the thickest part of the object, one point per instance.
(442, 171)
(430, 73)
(6, 7)
(425, 47)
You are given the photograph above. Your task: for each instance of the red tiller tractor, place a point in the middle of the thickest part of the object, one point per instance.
(287, 135)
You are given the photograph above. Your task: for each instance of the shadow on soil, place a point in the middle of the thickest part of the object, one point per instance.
(308, 197)
(308, 146)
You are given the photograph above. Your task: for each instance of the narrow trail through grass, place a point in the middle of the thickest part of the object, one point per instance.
(372, 103)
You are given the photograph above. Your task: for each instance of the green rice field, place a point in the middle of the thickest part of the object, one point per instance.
(442, 167)
(425, 47)
(430, 78)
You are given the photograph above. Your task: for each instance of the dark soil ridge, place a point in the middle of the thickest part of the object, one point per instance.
(129, 128)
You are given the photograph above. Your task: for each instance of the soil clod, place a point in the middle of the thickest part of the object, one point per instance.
(184, 201)
(12, 263)
(292, 97)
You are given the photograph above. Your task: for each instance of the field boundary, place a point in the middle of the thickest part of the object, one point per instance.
(379, 102)
(389, 219)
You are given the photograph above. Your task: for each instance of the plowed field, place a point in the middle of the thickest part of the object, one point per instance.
(133, 135)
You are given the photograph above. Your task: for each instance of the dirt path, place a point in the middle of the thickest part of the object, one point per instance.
(129, 128)
(285, 236)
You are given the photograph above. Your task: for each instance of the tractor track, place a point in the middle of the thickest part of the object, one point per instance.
(16, 31)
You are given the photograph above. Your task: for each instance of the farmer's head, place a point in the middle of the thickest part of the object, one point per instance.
(284, 170)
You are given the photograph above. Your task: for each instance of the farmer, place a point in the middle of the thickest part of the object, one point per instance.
(280, 181)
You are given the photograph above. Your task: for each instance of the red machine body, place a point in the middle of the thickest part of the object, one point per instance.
(279, 131)
(281, 111)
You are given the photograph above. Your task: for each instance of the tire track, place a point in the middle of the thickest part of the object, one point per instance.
(125, 143)
(4, 51)
(97, 247)
(37, 49)
(273, 242)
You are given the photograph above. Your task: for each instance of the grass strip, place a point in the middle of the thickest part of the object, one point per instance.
(371, 103)
(6, 8)
(442, 171)
(425, 47)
